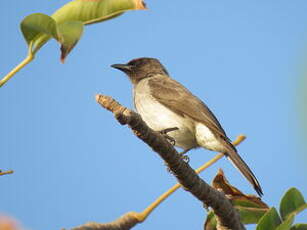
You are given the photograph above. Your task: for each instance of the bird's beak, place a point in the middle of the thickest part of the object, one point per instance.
(122, 67)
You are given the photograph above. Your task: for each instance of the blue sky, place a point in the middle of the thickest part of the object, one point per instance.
(74, 163)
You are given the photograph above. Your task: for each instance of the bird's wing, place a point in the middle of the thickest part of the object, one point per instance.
(175, 96)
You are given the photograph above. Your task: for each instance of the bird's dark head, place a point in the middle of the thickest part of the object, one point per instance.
(140, 68)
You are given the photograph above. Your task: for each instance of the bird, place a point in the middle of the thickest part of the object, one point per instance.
(163, 103)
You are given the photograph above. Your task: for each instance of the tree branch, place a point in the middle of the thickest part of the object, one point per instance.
(228, 218)
(125, 222)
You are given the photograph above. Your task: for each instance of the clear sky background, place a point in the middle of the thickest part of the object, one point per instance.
(74, 163)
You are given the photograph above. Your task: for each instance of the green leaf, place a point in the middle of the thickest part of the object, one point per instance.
(292, 201)
(69, 34)
(269, 221)
(250, 215)
(38, 24)
(247, 216)
(249, 202)
(38, 28)
(299, 227)
(210, 223)
(92, 11)
(286, 225)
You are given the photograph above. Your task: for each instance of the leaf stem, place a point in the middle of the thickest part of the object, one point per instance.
(22, 64)
(146, 212)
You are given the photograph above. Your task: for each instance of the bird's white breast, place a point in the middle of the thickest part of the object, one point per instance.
(158, 117)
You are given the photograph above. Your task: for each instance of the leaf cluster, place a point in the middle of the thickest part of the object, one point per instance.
(254, 211)
(66, 25)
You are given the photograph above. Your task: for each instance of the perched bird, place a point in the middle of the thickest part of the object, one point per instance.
(164, 103)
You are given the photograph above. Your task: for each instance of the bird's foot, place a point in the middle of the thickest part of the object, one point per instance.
(184, 157)
(169, 138)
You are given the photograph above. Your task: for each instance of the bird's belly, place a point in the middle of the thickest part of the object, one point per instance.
(158, 117)
(205, 138)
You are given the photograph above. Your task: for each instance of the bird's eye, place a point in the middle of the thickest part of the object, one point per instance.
(132, 64)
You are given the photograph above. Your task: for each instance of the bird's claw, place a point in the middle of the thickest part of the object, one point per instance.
(169, 138)
(184, 157)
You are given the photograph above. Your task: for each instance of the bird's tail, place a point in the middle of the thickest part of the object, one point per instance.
(239, 163)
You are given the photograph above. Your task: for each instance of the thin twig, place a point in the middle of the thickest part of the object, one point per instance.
(125, 222)
(6, 172)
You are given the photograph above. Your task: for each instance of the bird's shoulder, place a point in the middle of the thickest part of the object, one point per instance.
(179, 99)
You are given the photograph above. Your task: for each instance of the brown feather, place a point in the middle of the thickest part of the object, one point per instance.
(175, 96)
